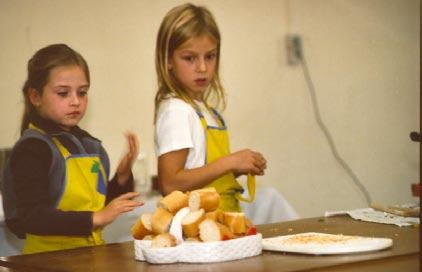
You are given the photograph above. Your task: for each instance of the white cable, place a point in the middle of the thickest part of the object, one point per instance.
(311, 88)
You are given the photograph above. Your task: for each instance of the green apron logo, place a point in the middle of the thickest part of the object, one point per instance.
(101, 188)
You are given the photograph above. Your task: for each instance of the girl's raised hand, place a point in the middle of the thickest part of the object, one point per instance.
(125, 165)
(248, 162)
(117, 206)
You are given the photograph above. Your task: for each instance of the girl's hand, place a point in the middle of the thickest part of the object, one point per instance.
(248, 162)
(125, 165)
(117, 206)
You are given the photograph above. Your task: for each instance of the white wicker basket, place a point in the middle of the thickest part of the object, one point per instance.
(139, 244)
(199, 252)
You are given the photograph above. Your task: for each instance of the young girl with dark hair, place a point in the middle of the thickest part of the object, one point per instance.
(56, 191)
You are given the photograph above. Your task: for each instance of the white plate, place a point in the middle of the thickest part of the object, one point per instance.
(323, 243)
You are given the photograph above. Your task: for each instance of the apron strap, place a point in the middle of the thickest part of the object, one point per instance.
(59, 145)
(251, 183)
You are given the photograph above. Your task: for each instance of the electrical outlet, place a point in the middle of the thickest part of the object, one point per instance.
(294, 49)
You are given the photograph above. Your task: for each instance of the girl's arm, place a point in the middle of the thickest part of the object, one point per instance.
(114, 189)
(30, 165)
(176, 127)
(122, 204)
(122, 181)
(173, 175)
(124, 170)
(119, 198)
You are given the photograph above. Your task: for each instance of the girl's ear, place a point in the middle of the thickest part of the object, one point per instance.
(34, 97)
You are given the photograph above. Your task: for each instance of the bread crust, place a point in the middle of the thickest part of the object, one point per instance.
(225, 232)
(161, 220)
(235, 221)
(209, 230)
(190, 223)
(142, 227)
(207, 199)
(216, 215)
(163, 240)
(173, 202)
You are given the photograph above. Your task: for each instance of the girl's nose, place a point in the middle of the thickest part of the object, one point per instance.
(201, 66)
(75, 99)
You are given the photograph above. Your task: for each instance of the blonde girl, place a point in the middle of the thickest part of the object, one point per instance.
(56, 192)
(191, 137)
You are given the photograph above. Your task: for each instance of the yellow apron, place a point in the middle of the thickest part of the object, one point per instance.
(84, 190)
(227, 186)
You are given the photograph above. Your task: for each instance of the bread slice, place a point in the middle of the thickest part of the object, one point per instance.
(160, 221)
(235, 221)
(209, 231)
(190, 223)
(193, 240)
(207, 199)
(216, 215)
(248, 223)
(163, 240)
(142, 226)
(148, 237)
(173, 202)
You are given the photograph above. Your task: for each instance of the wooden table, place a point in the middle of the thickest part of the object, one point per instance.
(403, 256)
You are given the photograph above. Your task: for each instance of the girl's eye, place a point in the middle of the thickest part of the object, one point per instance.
(62, 93)
(189, 58)
(83, 93)
(211, 56)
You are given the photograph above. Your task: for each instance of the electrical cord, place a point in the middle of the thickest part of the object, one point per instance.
(298, 50)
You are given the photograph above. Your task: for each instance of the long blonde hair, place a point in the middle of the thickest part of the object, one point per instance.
(179, 25)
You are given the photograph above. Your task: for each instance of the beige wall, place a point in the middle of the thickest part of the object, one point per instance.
(363, 57)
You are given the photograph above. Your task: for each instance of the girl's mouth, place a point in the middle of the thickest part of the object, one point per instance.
(201, 82)
(74, 113)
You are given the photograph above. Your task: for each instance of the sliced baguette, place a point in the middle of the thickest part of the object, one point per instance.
(173, 202)
(209, 231)
(248, 223)
(193, 239)
(149, 237)
(142, 226)
(216, 215)
(160, 221)
(190, 223)
(235, 221)
(163, 240)
(207, 199)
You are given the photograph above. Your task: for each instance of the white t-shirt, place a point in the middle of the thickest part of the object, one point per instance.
(178, 126)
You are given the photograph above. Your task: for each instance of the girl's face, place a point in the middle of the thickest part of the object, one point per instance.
(193, 65)
(64, 98)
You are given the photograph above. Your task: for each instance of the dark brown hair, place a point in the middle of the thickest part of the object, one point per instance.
(39, 68)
